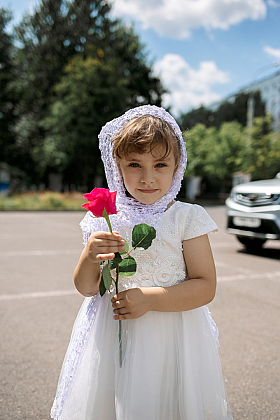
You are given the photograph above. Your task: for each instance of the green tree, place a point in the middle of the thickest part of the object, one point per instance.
(7, 97)
(237, 110)
(198, 144)
(216, 153)
(227, 111)
(201, 115)
(264, 154)
(50, 37)
(90, 93)
(127, 49)
(230, 151)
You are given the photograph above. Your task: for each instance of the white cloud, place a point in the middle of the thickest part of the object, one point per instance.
(274, 52)
(177, 18)
(273, 3)
(188, 87)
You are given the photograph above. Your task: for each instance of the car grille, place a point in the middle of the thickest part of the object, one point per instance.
(254, 200)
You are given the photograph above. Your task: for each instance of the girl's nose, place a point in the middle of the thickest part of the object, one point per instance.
(147, 176)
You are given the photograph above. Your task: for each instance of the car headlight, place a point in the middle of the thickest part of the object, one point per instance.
(235, 196)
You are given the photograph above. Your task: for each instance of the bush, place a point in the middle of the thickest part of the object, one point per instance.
(42, 201)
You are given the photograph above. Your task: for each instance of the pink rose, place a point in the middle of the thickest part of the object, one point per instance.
(100, 199)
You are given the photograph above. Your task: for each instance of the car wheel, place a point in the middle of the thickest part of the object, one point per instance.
(251, 243)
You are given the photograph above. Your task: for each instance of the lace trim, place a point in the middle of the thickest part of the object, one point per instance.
(74, 355)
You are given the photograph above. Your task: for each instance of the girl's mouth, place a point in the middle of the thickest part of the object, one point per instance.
(148, 191)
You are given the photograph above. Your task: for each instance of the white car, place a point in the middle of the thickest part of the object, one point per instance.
(253, 212)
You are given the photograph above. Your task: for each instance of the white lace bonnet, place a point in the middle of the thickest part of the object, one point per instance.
(132, 211)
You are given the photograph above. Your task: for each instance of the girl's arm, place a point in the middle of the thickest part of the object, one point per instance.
(199, 290)
(101, 246)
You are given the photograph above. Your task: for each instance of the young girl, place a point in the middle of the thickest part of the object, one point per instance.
(171, 368)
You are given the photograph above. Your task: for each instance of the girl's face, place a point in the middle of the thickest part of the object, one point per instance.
(146, 176)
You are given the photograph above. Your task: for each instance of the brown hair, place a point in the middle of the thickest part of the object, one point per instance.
(143, 134)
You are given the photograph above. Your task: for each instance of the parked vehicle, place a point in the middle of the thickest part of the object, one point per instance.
(253, 212)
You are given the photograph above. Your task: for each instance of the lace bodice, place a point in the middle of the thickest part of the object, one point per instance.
(162, 264)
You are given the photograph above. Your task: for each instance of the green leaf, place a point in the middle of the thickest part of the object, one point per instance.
(102, 288)
(128, 266)
(107, 278)
(142, 236)
(118, 258)
(112, 264)
(126, 247)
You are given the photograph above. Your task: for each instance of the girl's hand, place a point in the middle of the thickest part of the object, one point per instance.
(102, 246)
(131, 304)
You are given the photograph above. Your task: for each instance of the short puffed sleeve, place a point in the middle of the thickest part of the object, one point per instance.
(197, 222)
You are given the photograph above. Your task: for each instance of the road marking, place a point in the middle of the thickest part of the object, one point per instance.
(38, 252)
(235, 277)
(35, 295)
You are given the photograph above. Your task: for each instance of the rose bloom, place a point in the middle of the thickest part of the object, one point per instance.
(100, 199)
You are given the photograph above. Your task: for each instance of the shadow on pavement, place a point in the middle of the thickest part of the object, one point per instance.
(272, 253)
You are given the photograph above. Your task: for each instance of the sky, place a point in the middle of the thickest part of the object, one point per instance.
(203, 50)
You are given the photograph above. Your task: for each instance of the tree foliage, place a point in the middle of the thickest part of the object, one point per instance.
(264, 152)
(86, 98)
(7, 97)
(218, 153)
(56, 41)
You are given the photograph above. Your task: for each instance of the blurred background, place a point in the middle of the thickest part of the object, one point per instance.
(67, 67)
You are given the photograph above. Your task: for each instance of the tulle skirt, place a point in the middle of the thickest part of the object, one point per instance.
(170, 368)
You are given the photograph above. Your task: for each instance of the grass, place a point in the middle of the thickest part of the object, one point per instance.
(46, 200)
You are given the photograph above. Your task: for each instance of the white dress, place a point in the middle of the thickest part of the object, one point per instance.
(171, 368)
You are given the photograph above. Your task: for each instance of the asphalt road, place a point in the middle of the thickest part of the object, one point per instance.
(38, 305)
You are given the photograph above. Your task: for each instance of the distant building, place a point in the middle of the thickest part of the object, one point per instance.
(269, 88)
(270, 94)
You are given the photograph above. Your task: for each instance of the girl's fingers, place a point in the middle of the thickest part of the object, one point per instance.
(121, 311)
(108, 236)
(118, 298)
(97, 249)
(117, 304)
(105, 257)
(105, 249)
(117, 245)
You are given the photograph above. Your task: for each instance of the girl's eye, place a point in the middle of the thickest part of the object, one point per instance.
(161, 165)
(134, 165)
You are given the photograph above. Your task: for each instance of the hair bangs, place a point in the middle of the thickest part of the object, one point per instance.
(146, 134)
